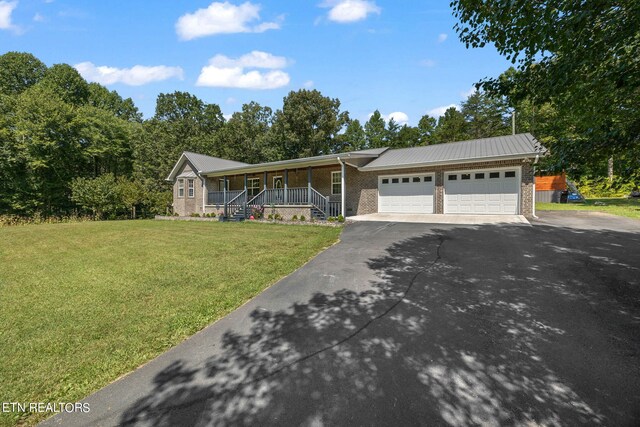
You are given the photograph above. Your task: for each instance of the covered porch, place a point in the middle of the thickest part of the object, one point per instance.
(318, 191)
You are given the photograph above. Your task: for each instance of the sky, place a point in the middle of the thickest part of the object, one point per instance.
(402, 58)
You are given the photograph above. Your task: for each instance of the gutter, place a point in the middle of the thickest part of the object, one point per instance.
(449, 162)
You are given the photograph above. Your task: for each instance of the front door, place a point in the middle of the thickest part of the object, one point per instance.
(279, 192)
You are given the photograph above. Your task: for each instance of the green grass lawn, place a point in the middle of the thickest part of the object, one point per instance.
(615, 206)
(83, 303)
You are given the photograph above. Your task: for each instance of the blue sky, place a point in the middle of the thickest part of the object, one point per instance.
(398, 57)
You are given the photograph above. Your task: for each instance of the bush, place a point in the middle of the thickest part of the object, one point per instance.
(593, 188)
(294, 218)
(277, 217)
(340, 218)
(195, 215)
(303, 218)
(331, 219)
(270, 216)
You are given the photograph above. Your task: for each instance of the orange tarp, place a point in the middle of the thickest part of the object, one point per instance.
(553, 182)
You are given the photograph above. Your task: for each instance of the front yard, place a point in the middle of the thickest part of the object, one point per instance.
(83, 303)
(615, 206)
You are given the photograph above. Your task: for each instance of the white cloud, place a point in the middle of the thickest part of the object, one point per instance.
(135, 76)
(442, 37)
(439, 111)
(429, 63)
(223, 71)
(467, 93)
(308, 84)
(253, 59)
(399, 117)
(346, 11)
(38, 18)
(6, 9)
(231, 100)
(223, 18)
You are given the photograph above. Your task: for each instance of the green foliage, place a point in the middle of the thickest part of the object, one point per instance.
(340, 218)
(451, 127)
(101, 195)
(195, 215)
(604, 187)
(309, 124)
(294, 218)
(66, 83)
(331, 219)
(426, 128)
(246, 137)
(375, 131)
(303, 218)
(19, 71)
(354, 137)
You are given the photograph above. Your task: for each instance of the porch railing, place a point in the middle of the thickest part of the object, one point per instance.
(217, 197)
(238, 203)
(335, 209)
(319, 201)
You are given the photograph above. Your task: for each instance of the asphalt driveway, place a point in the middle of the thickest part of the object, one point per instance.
(416, 324)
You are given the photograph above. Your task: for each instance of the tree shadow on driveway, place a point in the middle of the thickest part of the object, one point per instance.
(486, 325)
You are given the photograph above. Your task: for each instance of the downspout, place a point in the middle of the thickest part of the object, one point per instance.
(533, 196)
(343, 189)
(204, 193)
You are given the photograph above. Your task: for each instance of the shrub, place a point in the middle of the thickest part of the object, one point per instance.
(277, 217)
(270, 216)
(176, 214)
(303, 218)
(294, 218)
(195, 215)
(340, 218)
(592, 188)
(331, 219)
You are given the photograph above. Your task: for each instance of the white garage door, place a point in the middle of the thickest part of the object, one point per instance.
(406, 193)
(482, 192)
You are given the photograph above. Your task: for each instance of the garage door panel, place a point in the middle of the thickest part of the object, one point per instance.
(481, 194)
(405, 197)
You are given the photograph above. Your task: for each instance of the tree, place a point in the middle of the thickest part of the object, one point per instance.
(486, 115)
(245, 137)
(354, 137)
(100, 194)
(375, 131)
(66, 83)
(309, 124)
(580, 56)
(407, 136)
(131, 193)
(451, 127)
(19, 71)
(426, 128)
(101, 97)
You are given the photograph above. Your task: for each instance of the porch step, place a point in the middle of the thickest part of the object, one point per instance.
(317, 214)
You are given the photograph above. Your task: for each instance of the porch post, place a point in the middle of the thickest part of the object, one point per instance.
(309, 185)
(286, 185)
(265, 181)
(205, 195)
(224, 194)
(343, 187)
(245, 182)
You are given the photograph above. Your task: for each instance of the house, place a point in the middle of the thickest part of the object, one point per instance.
(481, 176)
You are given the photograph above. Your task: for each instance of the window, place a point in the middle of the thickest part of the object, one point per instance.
(385, 180)
(221, 185)
(510, 174)
(336, 182)
(479, 176)
(405, 180)
(278, 182)
(465, 176)
(181, 188)
(395, 180)
(427, 179)
(494, 174)
(191, 187)
(452, 177)
(416, 179)
(253, 186)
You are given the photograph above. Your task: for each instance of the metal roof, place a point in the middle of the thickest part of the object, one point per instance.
(510, 146)
(298, 163)
(202, 163)
(207, 163)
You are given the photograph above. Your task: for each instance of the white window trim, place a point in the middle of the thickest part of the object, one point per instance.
(339, 182)
(273, 182)
(181, 188)
(191, 188)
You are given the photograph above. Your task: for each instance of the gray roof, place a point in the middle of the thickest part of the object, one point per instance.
(301, 162)
(510, 146)
(202, 163)
(208, 163)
